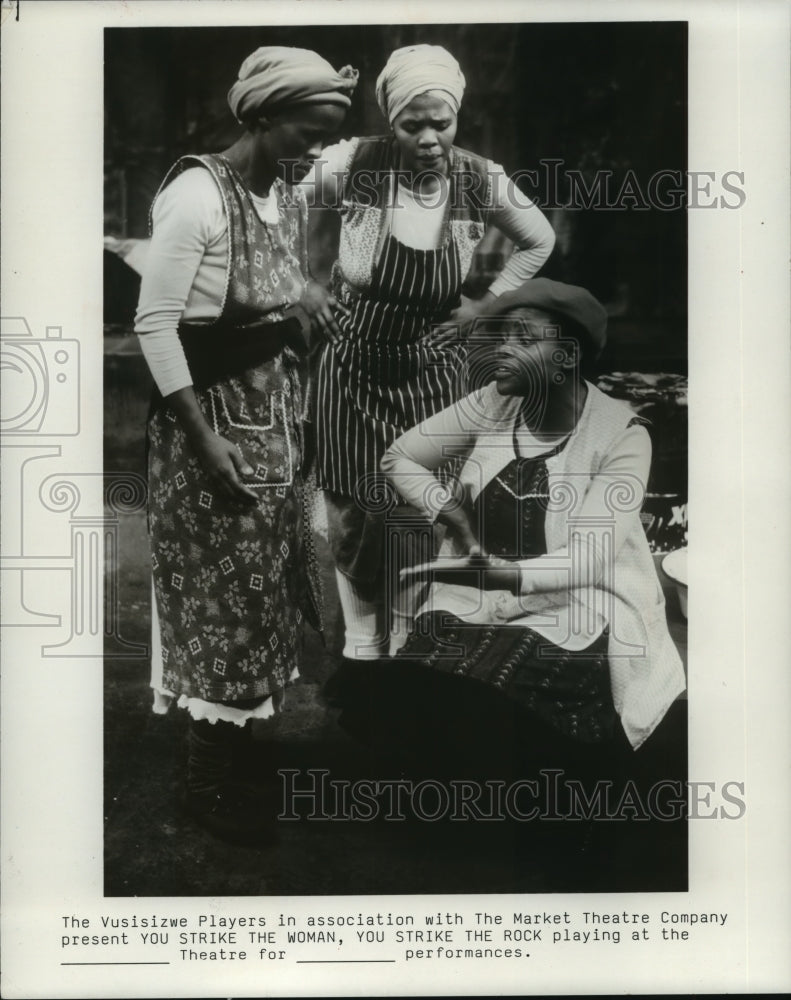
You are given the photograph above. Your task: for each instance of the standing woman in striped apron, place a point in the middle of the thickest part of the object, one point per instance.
(226, 266)
(413, 208)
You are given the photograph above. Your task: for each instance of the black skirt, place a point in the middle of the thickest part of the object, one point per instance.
(465, 701)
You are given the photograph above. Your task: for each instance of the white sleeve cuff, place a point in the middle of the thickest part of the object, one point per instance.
(523, 222)
(500, 285)
(165, 356)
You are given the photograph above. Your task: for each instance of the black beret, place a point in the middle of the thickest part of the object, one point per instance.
(563, 300)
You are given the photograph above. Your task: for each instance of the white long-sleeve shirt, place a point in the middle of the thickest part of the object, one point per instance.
(185, 270)
(418, 221)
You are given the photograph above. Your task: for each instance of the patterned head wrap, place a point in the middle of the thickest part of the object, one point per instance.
(414, 70)
(275, 76)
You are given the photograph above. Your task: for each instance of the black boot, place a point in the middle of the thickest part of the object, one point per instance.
(253, 762)
(346, 683)
(227, 809)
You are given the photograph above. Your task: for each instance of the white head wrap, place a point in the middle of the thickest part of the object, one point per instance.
(277, 75)
(414, 70)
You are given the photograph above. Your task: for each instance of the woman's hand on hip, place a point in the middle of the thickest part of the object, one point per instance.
(322, 309)
(444, 335)
(458, 324)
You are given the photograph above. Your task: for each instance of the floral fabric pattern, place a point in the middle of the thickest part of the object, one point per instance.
(232, 583)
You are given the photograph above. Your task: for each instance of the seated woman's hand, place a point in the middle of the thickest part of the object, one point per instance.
(456, 515)
(480, 571)
(497, 574)
(321, 308)
(224, 466)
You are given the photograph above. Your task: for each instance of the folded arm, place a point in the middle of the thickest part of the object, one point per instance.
(412, 461)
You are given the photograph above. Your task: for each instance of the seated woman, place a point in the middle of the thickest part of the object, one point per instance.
(543, 641)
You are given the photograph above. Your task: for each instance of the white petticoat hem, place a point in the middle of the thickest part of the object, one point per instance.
(214, 711)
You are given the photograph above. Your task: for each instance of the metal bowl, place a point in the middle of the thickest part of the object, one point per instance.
(675, 566)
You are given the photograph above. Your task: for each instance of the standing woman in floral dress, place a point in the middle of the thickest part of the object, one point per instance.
(226, 268)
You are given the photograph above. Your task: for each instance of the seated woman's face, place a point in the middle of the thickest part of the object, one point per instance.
(425, 131)
(295, 137)
(533, 355)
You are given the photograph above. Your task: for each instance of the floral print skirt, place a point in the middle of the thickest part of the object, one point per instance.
(232, 583)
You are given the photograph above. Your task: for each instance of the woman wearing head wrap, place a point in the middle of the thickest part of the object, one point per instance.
(543, 640)
(413, 208)
(226, 267)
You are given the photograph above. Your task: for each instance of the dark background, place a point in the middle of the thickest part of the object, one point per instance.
(596, 96)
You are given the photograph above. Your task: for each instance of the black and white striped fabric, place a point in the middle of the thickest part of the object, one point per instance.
(384, 377)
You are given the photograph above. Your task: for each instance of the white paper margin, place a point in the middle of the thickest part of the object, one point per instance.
(739, 594)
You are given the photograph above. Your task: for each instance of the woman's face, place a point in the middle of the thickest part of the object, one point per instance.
(533, 357)
(294, 138)
(425, 131)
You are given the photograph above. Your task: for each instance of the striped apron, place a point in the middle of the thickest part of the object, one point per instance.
(383, 377)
